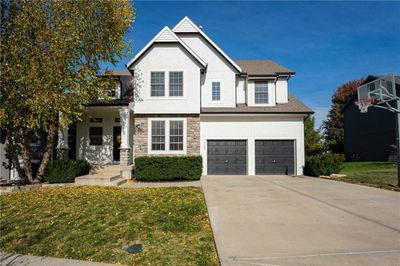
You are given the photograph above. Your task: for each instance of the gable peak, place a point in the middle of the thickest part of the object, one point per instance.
(186, 25)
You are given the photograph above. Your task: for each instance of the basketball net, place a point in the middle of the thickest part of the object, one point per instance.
(364, 104)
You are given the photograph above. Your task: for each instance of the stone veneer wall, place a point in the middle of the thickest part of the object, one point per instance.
(192, 134)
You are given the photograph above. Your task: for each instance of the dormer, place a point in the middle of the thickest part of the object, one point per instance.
(265, 83)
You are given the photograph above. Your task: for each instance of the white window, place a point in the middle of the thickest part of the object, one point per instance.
(176, 83)
(115, 93)
(216, 90)
(261, 92)
(167, 135)
(157, 84)
(176, 135)
(158, 135)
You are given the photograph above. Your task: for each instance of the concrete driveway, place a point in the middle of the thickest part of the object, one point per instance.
(281, 220)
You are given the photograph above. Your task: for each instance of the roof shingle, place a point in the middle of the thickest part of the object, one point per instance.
(293, 106)
(262, 67)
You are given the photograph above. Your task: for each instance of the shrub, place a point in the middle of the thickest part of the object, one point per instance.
(168, 168)
(323, 164)
(65, 171)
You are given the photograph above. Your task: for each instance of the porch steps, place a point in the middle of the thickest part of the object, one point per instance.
(113, 175)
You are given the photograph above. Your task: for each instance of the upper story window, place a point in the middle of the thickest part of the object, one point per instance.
(157, 84)
(176, 83)
(261, 92)
(216, 90)
(115, 93)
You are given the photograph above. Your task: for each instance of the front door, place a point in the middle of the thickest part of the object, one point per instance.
(116, 143)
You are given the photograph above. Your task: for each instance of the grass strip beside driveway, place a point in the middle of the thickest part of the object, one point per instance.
(375, 174)
(98, 223)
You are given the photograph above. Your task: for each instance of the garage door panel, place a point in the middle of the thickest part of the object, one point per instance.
(274, 157)
(227, 157)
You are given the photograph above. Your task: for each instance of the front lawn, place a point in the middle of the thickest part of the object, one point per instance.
(376, 174)
(98, 223)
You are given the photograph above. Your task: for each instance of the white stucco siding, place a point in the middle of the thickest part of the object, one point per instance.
(102, 154)
(240, 90)
(167, 57)
(253, 128)
(218, 69)
(282, 90)
(251, 94)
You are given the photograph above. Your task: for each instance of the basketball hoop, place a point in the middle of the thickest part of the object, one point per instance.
(364, 104)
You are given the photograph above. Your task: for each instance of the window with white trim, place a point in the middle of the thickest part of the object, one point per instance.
(176, 135)
(167, 135)
(216, 90)
(176, 83)
(158, 135)
(157, 83)
(261, 92)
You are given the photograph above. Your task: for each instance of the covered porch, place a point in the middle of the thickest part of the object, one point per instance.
(103, 137)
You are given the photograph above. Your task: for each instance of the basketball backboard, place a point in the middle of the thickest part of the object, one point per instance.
(376, 92)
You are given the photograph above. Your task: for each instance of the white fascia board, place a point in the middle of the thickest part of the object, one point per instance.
(209, 40)
(155, 39)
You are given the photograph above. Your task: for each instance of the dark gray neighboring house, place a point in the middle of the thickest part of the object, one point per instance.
(370, 136)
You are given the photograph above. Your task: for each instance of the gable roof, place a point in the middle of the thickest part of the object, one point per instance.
(293, 106)
(262, 67)
(187, 26)
(166, 36)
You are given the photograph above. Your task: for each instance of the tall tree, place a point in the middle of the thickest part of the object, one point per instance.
(312, 139)
(334, 124)
(51, 52)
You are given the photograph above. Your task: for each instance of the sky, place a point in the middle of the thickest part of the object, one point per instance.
(325, 43)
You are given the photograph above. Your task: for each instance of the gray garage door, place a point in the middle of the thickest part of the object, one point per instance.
(274, 157)
(226, 157)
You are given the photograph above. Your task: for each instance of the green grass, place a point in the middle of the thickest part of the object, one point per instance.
(376, 174)
(98, 223)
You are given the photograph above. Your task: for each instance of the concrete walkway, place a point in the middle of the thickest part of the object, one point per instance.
(281, 220)
(162, 184)
(16, 259)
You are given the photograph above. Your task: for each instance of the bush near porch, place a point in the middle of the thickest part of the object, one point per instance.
(148, 168)
(65, 171)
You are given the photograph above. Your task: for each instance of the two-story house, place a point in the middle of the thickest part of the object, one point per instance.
(192, 99)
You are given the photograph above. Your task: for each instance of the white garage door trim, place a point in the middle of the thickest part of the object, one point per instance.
(251, 164)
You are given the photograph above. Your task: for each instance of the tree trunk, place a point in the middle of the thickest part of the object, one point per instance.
(47, 150)
(14, 156)
(26, 157)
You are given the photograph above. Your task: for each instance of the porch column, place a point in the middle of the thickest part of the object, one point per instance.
(62, 144)
(125, 150)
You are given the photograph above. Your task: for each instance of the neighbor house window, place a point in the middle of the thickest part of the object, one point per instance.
(158, 135)
(261, 92)
(216, 90)
(157, 84)
(176, 83)
(176, 135)
(96, 136)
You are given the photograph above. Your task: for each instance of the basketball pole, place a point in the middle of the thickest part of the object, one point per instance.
(398, 141)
